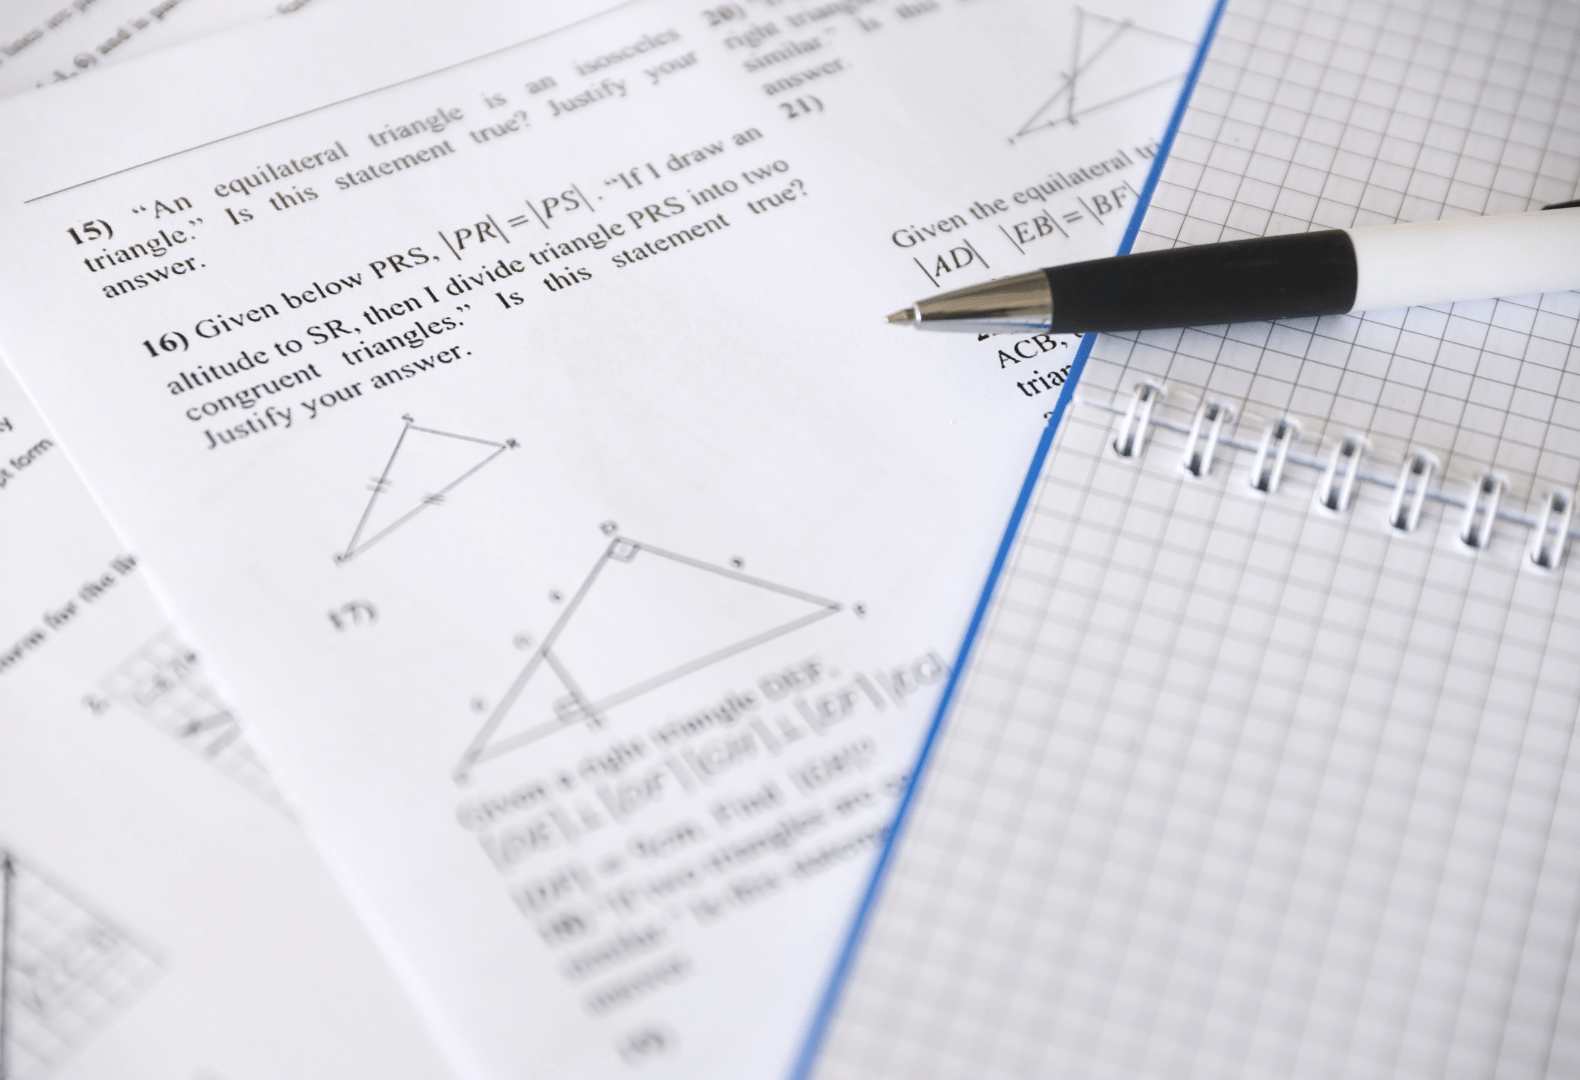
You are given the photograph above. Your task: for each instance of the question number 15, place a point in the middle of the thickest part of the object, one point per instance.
(97, 229)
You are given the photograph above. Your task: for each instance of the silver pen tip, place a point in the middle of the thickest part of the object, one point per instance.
(904, 315)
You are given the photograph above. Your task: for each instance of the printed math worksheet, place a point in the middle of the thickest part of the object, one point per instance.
(503, 400)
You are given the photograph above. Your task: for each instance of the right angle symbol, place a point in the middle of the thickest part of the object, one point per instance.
(1111, 60)
(423, 469)
(642, 618)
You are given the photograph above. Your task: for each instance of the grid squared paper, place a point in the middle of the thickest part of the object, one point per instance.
(68, 972)
(1235, 785)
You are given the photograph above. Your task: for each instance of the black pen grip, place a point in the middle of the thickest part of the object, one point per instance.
(1274, 277)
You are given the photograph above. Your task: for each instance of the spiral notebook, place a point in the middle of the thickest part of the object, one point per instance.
(1261, 761)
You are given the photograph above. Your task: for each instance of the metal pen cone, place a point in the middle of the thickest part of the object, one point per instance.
(1009, 305)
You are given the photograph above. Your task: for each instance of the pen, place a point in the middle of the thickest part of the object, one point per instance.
(1329, 272)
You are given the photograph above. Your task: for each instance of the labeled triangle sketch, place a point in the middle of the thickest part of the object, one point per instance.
(641, 619)
(163, 682)
(421, 472)
(1111, 60)
(65, 971)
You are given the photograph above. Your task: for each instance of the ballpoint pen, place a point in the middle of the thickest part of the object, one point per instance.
(1329, 272)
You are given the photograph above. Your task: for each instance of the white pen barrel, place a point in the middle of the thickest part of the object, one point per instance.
(1434, 262)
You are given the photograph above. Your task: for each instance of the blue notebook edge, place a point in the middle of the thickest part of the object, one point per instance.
(823, 1016)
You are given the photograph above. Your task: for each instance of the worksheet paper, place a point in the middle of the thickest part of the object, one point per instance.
(159, 905)
(161, 914)
(49, 41)
(1238, 784)
(504, 401)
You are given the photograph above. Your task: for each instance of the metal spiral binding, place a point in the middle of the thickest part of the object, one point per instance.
(1414, 476)
(1547, 542)
(1212, 415)
(1278, 437)
(1342, 471)
(1138, 419)
(1481, 510)
(1349, 451)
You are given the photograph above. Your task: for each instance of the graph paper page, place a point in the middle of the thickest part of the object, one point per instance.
(1240, 786)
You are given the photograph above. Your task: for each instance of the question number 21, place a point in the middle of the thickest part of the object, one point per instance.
(801, 106)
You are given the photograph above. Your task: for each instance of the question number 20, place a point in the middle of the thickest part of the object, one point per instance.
(724, 13)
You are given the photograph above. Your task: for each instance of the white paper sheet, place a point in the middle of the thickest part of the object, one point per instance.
(163, 916)
(43, 42)
(585, 548)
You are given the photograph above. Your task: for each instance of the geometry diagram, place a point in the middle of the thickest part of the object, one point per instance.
(65, 971)
(163, 683)
(425, 466)
(641, 619)
(1112, 60)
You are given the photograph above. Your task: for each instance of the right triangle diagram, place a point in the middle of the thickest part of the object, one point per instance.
(643, 618)
(1112, 60)
(421, 472)
(65, 972)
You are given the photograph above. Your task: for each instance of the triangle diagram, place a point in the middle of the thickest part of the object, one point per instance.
(1111, 61)
(65, 972)
(420, 473)
(643, 618)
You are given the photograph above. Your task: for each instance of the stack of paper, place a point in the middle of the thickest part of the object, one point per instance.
(500, 400)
